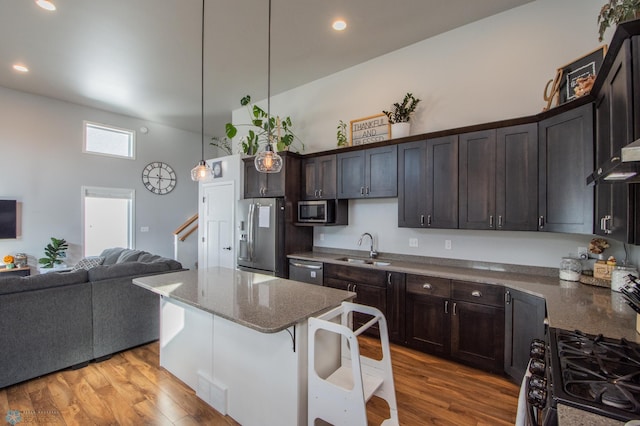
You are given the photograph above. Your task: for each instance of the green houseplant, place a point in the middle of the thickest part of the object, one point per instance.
(282, 136)
(400, 114)
(54, 252)
(615, 12)
(341, 134)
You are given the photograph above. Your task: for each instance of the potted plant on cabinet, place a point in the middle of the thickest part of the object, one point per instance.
(615, 12)
(400, 115)
(341, 134)
(281, 129)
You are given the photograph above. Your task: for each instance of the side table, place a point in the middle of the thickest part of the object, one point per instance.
(20, 272)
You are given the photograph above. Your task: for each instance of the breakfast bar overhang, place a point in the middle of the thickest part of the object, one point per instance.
(239, 339)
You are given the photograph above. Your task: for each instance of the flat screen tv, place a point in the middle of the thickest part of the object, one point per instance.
(8, 219)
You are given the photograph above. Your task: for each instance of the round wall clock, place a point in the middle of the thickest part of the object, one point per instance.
(159, 178)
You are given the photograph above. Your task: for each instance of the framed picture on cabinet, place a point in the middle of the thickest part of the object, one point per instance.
(375, 128)
(576, 78)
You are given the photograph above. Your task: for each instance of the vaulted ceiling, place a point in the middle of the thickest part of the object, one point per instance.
(142, 57)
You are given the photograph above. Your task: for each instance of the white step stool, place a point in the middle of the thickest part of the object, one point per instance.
(341, 398)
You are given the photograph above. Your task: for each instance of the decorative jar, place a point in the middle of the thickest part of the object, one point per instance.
(570, 269)
(619, 275)
(20, 259)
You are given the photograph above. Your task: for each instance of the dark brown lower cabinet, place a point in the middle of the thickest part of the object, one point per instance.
(524, 321)
(396, 296)
(477, 335)
(428, 324)
(460, 320)
(370, 286)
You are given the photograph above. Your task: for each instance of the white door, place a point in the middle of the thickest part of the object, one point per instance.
(219, 211)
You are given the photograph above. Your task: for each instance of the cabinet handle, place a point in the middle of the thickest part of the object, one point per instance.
(604, 224)
(446, 306)
(389, 278)
(319, 192)
(428, 220)
(500, 221)
(421, 220)
(491, 221)
(427, 286)
(541, 222)
(348, 286)
(507, 297)
(476, 293)
(354, 288)
(367, 190)
(455, 305)
(315, 193)
(362, 190)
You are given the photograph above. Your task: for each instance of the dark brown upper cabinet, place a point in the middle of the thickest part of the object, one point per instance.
(614, 129)
(566, 147)
(369, 173)
(498, 179)
(319, 178)
(428, 183)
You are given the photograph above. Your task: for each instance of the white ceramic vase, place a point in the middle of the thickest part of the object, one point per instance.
(400, 130)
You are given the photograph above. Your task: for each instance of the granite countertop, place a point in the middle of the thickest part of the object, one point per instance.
(264, 303)
(570, 305)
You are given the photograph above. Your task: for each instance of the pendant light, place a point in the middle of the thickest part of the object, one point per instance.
(202, 172)
(268, 161)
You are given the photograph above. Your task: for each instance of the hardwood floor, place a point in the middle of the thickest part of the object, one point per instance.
(131, 389)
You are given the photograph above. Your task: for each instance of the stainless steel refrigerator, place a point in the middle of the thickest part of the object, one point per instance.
(261, 229)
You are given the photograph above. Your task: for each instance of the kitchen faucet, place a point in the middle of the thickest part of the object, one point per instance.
(372, 253)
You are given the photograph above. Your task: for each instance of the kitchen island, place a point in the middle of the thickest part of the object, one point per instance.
(239, 339)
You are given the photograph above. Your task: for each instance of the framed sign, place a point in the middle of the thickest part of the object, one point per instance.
(375, 128)
(216, 168)
(586, 66)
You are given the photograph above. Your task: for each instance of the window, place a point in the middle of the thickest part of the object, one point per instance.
(108, 218)
(109, 140)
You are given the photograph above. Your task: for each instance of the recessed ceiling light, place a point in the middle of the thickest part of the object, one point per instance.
(46, 4)
(339, 25)
(20, 68)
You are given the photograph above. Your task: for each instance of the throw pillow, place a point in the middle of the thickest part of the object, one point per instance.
(88, 263)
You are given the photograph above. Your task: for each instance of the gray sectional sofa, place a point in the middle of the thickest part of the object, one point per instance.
(53, 321)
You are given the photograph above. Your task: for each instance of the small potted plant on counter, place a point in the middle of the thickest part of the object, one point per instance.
(615, 12)
(400, 115)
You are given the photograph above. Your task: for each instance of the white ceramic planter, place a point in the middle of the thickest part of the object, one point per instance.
(400, 130)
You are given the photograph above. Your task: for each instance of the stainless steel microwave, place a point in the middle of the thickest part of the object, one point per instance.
(317, 211)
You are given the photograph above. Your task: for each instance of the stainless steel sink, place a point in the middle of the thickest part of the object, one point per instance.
(364, 261)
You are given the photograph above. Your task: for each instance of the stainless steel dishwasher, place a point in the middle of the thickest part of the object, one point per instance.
(306, 271)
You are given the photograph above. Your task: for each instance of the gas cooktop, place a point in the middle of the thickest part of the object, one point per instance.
(595, 373)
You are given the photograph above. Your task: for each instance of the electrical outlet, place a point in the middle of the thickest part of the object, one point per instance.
(413, 242)
(447, 244)
(321, 236)
(582, 253)
(144, 229)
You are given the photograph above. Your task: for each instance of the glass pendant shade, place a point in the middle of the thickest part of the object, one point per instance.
(268, 161)
(202, 172)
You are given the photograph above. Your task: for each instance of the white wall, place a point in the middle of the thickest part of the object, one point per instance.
(490, 70)
(43, 167)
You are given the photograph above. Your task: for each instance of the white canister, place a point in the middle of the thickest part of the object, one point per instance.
(619, 274)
